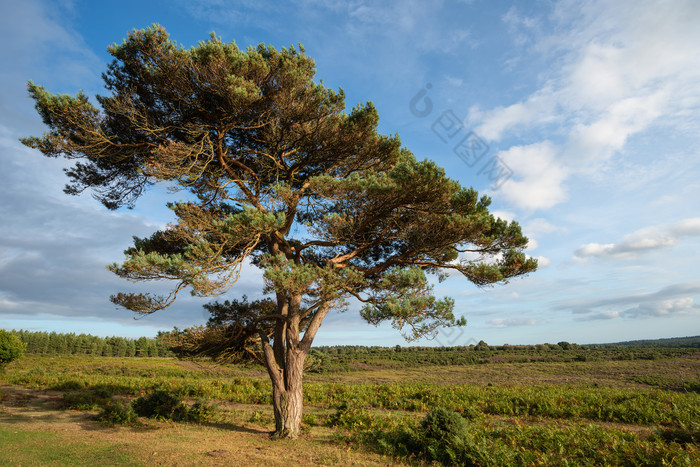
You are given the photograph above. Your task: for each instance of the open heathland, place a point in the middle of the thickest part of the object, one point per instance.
(526, 406)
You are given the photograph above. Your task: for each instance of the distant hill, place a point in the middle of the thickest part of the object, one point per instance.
(676, 342)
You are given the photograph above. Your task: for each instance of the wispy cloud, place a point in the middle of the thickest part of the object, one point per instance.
(643, 240)
(618, 69)
(669, 301)
(539, 225)
(664, 308)
(512, 322)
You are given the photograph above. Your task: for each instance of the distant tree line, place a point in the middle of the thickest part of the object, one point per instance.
(53, 343)
(331, 358)
(479, 347)
(348, 358)
(692, 342)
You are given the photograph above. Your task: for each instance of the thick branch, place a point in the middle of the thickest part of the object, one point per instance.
(314, 325)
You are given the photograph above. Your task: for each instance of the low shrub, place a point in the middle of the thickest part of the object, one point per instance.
(442, 437)
(160, 404)
(201, 412)
(165, 406)
(80, 401)
(117, 413)
(92, 400)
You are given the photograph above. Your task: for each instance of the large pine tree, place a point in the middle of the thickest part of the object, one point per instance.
(265, 152)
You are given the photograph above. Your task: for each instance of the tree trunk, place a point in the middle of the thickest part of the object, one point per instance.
(288, 397)
(284, 359)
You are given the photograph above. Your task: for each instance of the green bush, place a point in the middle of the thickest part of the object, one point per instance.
(97, 397)
(160, 404)
(163, 405)
(118, 413)
(81, 401)
(11, 347)
(442, 436)
(201, 412)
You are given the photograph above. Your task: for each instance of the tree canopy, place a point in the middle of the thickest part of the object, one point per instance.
(279, 175)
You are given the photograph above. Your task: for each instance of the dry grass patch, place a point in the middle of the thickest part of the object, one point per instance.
(34, 432)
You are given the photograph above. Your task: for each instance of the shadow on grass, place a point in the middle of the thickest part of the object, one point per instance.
(237, 427)
(92, 423)
(39, 412)
(26, 406)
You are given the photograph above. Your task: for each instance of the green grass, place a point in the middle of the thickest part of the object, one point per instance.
(35, 447)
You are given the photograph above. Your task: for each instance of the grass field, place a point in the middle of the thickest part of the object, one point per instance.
(516, 411)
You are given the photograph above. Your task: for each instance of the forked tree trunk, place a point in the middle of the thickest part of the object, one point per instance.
(288, 396)
(284, 359)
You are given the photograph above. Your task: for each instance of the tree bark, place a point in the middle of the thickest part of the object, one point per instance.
(284, 359)
(288, 396)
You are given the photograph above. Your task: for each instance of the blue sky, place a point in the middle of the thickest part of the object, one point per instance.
(579, 118)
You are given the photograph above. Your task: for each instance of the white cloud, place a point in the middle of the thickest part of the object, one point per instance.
(669, 301)
(660, 309)
(512, 322)
(505, 215)
(646, 239)
(536, 227)
(616, 70)
(594, 143)
(539, 108)
(31, 33)
(663, 308)
(531, 244)
(603, 315)
(521, 27)
(538, 179)
(540, 226)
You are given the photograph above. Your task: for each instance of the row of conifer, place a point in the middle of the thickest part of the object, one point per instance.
(53, 343)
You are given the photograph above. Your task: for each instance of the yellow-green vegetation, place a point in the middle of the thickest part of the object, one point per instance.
(623, 411)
